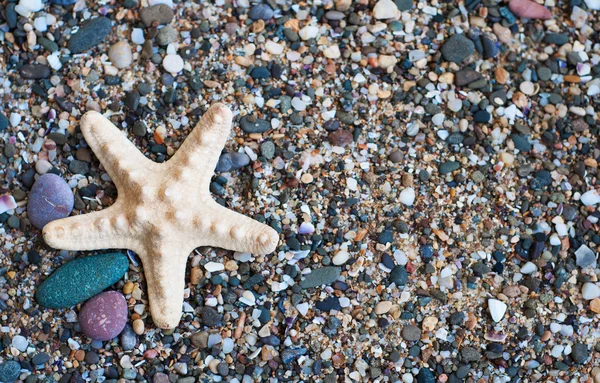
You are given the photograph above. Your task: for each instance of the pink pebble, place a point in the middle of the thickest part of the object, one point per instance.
(529, 9)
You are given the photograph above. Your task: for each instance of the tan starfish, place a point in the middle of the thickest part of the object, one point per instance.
(163, 211)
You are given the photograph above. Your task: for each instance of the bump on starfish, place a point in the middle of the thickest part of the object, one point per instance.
(174, 193)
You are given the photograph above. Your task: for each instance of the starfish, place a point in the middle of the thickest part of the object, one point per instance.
(163, 210)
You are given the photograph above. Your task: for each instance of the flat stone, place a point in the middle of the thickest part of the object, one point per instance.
(232, 161)
(556, 38)
(321, 276)
(89, 35)
(34, 71)
(81, 279)
(466, 76)
(290, 354)
(9, 371)
(457, 48)
(448, 167)
(251, 124)
(104, 316)
(411, 333)
(261, 11)
(50, 199)
(160, 13)
(585, 257)
(529, 9)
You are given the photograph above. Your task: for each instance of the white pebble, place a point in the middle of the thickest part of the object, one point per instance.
(40, 24)
(309, 32)
(527, 88)
(227, 345)
(385, 9)
(137, 36)
(15, 119)
(589, 198)
(332, 52)
(211, 267)
(528, 268)
(407, 196)
(455, 105)
(273, 48)
(438, 119)
(20, 343)
(590, 291)
(173, 63)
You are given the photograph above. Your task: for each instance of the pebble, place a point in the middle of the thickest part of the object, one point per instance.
(20, 343)
(399, 276)
(90, 34)
(267, 149)
(425, 376)
(585, 257)
(120, 54)
(497, 309)
(3, 122)
(383, 307)
(34, 71)
(407, 196)
(411, 333)
(173, 63)
(290, 354)
(9, 371)
(457, 48)
(341, 138)
(590, 291)
(593, 4)
(261, 11)
(466, 76)
(320, 276)
(81, 279)
(449, 167)
(251, 124)
(104, 316)
(309, 32)
(260, 73)
(232, 161)
(50, 199)
(590, 197)
(160, 13)
(580, 353)
(529, 9)
(128, 338)
(385, 9)
(166, 35)
(40, 359)
(138, 326)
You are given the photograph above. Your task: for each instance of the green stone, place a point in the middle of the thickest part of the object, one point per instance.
(81, 279)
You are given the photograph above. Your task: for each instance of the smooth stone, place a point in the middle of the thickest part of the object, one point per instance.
(232, 161)
(448, 167)
(529, 9)
(50, 199)
(89, 35)
(585, 257)
(482, 116)
(411, 333)
(385, 9)
(34, 71)
(521, 142)
(404, 5)
(104, 316)
(120, 54)
(457, 48)
(260, 73)
(166, 35)
(466, 76)
(580, 353)
(341, 138)
(40, 359)
(3, 122)
(128, 338)
(261, 11)
(320, 276)
(9, 371)
(160, 13)
(11, 15)
(590, 197)
(63, 2)
(251, 124)
(497, 309)
(81, 279)
(425, 376)
(590, 291)
(399, 275)
(556, 38)
(173, 63)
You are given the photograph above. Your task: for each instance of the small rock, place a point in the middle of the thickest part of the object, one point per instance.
(160, 13)
(341, 138)
(9, 371)
(580, 353)
(425, 376)
(411, 333)
(449, 167)
(104, 316)
(385, 9)
(173, 63)
(407, 196)
(34, 71)
(590, 197)
(290, 354)
(3, 122)
(81, 279)
(120, 55)
(128, 338)
(50, 199)
(457, 48)
(90, 34)
(529, 9)
(585, 257)
(321, 276)
(399, 275)
(590, 291)
(166, 35)
(251, 124)
(261, 11)
(340, 257)
(20, 343)
(260, 73)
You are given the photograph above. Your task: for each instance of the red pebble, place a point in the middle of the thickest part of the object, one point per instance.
(529, 9)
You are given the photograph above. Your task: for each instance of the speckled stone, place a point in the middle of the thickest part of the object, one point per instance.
(104, 316)
(81, 279)
(9, 371)
(90, 34)
(50, 199)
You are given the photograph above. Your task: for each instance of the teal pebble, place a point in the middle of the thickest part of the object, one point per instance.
(81, 279)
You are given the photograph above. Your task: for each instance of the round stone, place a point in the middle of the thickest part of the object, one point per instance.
(120, 55)
(50, 199)
(104, 316)
(9, 371)
(457, 48)
(173, 63)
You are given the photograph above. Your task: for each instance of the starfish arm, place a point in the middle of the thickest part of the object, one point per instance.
(234, 231)
(105, 229)
(124, 163)
(164, 271)
(200, 152)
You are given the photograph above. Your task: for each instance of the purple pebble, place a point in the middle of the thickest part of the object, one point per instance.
(104, 316)
(50, 199)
